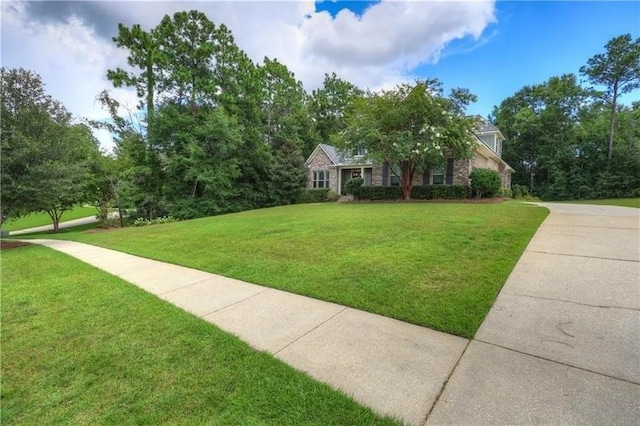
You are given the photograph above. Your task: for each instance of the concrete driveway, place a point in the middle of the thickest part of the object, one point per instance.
(561, 344)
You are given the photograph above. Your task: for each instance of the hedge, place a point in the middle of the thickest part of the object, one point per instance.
(450, 192)
(374, 193)
(314, 195)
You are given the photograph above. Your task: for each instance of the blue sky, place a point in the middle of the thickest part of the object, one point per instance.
(530, 42)
(492, 48)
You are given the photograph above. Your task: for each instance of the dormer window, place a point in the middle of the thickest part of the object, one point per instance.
(360, 152)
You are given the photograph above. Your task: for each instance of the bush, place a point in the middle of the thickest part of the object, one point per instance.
(448, 192)
(353, 186)
(315, 195)
(332, 195)
(520, 191)
(505, 193)
(375, 193)
(485, 182)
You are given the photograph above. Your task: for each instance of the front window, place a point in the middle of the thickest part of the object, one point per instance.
(437, 177)
(321, 178)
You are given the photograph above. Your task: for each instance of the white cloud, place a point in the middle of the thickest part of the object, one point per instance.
(377, 49)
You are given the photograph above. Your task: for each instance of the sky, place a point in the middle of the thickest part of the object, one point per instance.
(493, 48)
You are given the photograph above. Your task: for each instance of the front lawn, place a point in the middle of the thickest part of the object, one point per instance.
(436, 265)
(41, 219)
(80, 346)
(623, 202)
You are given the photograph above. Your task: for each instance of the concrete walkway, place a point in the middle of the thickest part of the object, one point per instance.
(560, 345)
(394, 367)
(61, 225)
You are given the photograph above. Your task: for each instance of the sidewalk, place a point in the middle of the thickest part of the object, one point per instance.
(61, 225)
(560, 345)
(394, 367)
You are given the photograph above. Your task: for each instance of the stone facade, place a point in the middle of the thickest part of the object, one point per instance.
(461, 170)
(321, 161)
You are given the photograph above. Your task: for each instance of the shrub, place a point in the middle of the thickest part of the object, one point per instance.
(520, 191)
(332, 195)
(505, 193)
(485, 182)
(375, 193)
(315, 195)
(353, 186)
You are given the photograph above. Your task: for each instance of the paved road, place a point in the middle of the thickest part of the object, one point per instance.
(560, 345)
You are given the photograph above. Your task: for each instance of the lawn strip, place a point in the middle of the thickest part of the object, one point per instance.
(81, 346)
(34, 220)
(436, 265)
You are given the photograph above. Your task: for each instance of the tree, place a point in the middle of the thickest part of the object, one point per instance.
(144, 56)
(33, 123)
(60, 172)
(410, 128)
(618, 70)
(541, 124)
(330, 104)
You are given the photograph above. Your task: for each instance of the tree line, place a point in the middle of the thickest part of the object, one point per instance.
(567, 140)
(215, 132)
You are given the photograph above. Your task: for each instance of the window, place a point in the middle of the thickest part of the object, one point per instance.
(321, 178)
(437, 177)
(360, 152)
(394, 179)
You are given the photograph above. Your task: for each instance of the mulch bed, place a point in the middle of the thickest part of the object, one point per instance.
(6, 245)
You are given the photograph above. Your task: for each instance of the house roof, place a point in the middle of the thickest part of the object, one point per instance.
(337, 157)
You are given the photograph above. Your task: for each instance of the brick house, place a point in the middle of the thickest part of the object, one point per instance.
(328, 167)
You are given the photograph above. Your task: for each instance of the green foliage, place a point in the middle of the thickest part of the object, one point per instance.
(565, 141)
(71, 354)
(440, 192)
(505, 193)
(333, 195)
(485, 182)
(378, 193)
(410, 128)
(519, 191)
(370, 256)
(353, 186)
(618, 71)
(315, 195)
(45, 158)
(330, 104)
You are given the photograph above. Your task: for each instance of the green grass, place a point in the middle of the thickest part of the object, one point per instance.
(623, 202)
(437, 265)
(80, 346)
(41, 219)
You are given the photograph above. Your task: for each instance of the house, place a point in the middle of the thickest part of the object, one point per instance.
(328, 167)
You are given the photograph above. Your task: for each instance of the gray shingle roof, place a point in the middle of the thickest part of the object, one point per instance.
(341, 158)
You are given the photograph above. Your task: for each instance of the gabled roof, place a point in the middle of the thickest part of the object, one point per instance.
(337, 157)
(484, 126)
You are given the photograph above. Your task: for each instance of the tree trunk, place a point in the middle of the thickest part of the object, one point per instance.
(613, 121)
